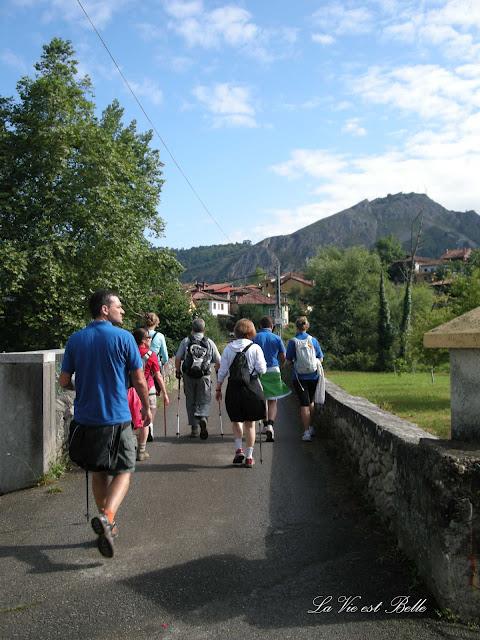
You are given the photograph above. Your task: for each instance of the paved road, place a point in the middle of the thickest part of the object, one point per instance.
(207, 550)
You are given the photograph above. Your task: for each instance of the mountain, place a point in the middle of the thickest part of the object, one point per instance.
(362, 224)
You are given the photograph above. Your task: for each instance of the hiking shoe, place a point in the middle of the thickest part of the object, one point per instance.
(194, 432)
(142, 455)
(307, 436)
(313, 431)
(203, 429)
(270, 433)
(264, 428)
(103, 529)
(239, 457)
(249, 462)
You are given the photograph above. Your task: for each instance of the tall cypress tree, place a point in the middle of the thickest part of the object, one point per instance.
(385, 330)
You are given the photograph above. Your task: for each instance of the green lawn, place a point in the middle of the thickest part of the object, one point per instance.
(411, 396)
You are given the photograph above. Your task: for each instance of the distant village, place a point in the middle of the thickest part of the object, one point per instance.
(225, 299)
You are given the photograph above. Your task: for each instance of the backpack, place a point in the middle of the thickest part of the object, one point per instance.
(198, 358)
(305, 356)
(239, 371)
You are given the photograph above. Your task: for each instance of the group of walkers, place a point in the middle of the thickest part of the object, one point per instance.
(117, 377)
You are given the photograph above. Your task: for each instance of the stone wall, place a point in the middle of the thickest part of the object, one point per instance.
(426, 490)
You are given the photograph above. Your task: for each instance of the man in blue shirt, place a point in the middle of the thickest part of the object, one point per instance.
(102, 356)
(303, 352)
(273, 386)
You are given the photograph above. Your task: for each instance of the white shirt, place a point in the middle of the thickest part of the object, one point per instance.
(255, 358)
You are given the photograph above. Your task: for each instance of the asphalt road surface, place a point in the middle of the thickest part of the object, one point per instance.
(287, 549)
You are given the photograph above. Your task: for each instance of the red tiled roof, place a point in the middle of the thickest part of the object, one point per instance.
(255, 298)
(457, 254)
(204, 295)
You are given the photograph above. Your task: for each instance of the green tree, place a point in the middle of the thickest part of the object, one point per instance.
(389, 249)
(385, 330)
(345, 305)
(78, 194)
(465, 292)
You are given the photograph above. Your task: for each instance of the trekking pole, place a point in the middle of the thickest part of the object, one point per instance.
(88, 510)
(178, 410)
(220, 416)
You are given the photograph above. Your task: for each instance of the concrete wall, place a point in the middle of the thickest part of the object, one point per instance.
(32, 417)
(426, 490)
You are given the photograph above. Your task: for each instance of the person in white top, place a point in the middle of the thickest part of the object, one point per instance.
(244, 397)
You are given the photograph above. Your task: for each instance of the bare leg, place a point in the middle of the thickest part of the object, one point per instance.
(271, 409)
(109, 495)
(237, 428)
(249, 433)
(305, 416)
(142, 435)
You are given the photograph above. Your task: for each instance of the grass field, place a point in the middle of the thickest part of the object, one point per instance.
(411, 396)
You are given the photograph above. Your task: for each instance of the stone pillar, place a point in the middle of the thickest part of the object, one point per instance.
(461, 336)
(28, 440)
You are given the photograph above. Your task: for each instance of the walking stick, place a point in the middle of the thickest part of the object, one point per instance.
(88, 510)
(178, 410)
(220, 416)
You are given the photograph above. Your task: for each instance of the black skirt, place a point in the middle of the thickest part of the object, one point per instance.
(245, 402)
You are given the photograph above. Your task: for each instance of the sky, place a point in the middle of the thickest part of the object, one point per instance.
(278, 112)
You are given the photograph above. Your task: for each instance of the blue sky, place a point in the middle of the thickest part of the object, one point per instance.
(280, 113)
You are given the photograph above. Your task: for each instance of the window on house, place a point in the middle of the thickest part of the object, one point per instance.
(214, 305)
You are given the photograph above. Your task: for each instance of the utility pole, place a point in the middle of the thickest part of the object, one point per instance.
(278, 305)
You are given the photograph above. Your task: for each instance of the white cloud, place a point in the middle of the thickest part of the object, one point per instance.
(229, 104)
(353, 127)
(323, 38)
(336, 18)
(451, 24)
(148, 89)
(11, 59)
(227, 25)
(317, 163)
(100, 11)
(432, 92)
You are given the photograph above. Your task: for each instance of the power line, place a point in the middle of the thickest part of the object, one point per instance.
(182, 172)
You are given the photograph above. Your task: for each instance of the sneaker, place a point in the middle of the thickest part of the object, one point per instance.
(249, 462)
(142, 455)
(307, 436)
(270, 433)
(194, 432)
(239, 457)
(203, 428)
(313, 431)
(103, 529)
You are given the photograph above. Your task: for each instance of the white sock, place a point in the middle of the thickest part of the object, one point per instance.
(238, 443)
(249, 452)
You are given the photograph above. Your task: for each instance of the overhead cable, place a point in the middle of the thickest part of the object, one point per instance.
(194, 191)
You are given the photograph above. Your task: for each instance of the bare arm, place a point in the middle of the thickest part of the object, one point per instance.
(140, 384)
(281, 358)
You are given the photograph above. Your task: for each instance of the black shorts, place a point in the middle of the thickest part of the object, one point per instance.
(307, 394)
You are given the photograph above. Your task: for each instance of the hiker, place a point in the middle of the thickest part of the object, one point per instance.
(273, 386)
(243, 361)
(304, 351)
(101, 356)
(155, 384)
(193, 362)
(159, 346)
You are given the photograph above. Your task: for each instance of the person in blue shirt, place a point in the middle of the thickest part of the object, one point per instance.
(273, 386)
(102, 356)
(303, 351)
